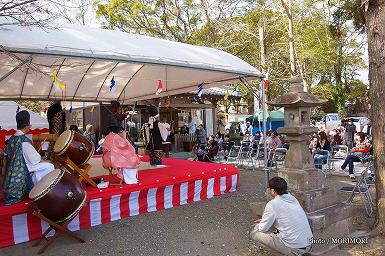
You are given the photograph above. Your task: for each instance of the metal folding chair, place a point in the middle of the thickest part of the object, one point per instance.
(362, 188)
(260, 155)
(279, 157)
(245, 154)
(339, 152)
(233, 154)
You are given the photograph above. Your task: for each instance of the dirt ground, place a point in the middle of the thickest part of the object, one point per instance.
(218, 226)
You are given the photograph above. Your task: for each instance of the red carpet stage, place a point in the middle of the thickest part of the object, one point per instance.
(180, 182)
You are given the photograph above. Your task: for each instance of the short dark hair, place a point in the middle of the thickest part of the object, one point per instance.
(279, 185)
(361, 135)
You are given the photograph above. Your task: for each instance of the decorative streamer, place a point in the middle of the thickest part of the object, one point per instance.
(200, 90)
(71, 109)
(112, 84)
(160, 87)
(92, 109)
(57, 81)
(227, 94)
(61, 84)
(235, 88)
(266, 81)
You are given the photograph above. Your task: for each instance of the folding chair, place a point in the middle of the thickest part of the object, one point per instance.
(326, 163)
(362, 188)
(233, 154)
(279, 157)
(339, 152)
(244, 154)
(260, 155)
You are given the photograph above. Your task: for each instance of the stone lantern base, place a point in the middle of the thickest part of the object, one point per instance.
(328, 217)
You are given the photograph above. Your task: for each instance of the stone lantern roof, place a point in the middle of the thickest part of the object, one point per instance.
(296, 97)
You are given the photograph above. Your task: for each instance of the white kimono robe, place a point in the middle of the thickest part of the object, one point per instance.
(33, 161)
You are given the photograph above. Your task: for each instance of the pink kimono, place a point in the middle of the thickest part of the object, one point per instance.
(120, 154)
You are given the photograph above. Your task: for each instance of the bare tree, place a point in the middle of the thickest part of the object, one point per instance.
(43, 12)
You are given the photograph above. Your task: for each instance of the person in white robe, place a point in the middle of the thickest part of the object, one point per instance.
(32, 158)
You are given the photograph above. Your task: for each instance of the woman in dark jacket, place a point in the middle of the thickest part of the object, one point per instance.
(322, 144)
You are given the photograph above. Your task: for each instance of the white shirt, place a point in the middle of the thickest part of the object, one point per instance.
(164, 129)
(286, 215)
(192, 127)
(31, 156)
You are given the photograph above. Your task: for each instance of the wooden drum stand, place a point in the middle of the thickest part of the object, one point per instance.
(80, 171)
(60, 229)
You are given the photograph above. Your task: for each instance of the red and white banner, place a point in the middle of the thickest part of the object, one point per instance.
(16, 227)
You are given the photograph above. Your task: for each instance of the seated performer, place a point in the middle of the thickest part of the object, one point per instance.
(120, 154)
(22, 161)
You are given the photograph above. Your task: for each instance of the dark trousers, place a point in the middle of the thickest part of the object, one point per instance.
(349, 161)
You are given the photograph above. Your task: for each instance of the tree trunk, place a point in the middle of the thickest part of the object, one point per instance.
(293, 66)
(376, 39)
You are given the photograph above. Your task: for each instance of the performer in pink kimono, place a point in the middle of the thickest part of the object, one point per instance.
(120, 154)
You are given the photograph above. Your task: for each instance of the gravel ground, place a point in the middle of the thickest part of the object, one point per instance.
(217, 226)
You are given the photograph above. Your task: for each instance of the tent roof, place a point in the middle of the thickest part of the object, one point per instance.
(8, 116)
(86, 60)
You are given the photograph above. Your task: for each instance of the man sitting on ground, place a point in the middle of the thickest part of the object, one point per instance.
(284, 228)
(22, 161)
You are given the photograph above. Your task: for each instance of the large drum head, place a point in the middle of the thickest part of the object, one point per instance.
(46, 184)
(63, 142)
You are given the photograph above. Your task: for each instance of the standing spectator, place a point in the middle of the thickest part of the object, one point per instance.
(56, 122)
(221, 125)
(350, 130)
(248, 129)
(90, 134)
(322, 144)
(201, 134)
(358, 153)
(191, 125)
(117, 116)
(56, 118)
(368, 129)
(284, 228)
(368, 132)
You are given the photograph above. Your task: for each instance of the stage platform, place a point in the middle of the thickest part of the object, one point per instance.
(179, 182)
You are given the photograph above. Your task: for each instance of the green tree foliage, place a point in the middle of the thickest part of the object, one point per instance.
(35, 106)
(328, 49)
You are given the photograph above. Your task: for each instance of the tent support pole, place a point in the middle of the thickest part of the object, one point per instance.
(263, 100)
(265, 159)
(16, 68)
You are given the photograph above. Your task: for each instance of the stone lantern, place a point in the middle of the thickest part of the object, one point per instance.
(327, 216)
(297, 104)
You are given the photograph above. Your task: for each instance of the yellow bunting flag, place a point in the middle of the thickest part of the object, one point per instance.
(54, 75)
(227, 94)
(92, 109)
(61, 84)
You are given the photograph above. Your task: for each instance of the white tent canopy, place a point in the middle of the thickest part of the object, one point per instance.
(8, 116)
(86, 60)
